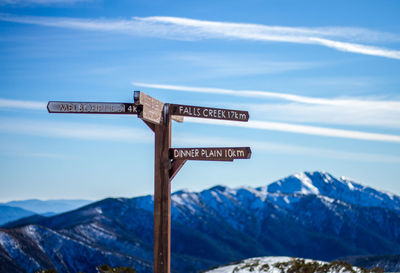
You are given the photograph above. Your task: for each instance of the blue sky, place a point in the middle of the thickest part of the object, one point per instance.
(319, 78)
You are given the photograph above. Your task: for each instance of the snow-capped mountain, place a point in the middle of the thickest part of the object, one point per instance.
(309, 215)
(344, 189)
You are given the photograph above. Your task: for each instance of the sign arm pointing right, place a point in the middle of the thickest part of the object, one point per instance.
(208, 112)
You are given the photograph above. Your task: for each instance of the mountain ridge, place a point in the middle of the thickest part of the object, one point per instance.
(10, 214)
(15, 211)
(215, 226)
(48, 206)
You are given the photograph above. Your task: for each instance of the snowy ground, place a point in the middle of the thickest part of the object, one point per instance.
(264, 265)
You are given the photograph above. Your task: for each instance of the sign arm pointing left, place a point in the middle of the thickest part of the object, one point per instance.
(70, 107)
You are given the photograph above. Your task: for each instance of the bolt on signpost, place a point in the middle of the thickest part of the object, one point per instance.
(167, 161)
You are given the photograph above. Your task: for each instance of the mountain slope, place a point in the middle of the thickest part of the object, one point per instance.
(308, 215)
(8, 214)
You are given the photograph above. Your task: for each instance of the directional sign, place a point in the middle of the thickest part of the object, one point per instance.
(212, 154)
(167, 161)
(151, 109)
(208, 112)
(91, 107)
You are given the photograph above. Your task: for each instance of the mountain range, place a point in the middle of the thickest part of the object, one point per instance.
(49, 206)
(310, 215)
(9, 214)
(14, 210)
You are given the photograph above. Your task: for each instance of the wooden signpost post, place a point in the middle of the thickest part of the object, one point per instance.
(167, 161)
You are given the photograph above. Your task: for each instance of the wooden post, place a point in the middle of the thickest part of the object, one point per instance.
(162, 196)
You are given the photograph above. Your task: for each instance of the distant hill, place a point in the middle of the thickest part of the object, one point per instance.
(310, 215)
(49, 207)
(35, 218)
(17, 210)
(9, 214)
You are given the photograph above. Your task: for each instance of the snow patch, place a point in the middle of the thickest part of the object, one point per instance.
(266, 265)
(308, 186)
(31, 231)
(14, 249)
(351, 187)
(263, 260)
(260, 193)
(99, 210)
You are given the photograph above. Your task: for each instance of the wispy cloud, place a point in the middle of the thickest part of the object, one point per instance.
(316, 36)
(124, 26)
(368, 115)
(90, 131)
(274, 33)
(23, 104)
(75, 130)
(189, 29)
(85, 131)
(302, 129)
(279, 148)
(276, 95)
(349, 111)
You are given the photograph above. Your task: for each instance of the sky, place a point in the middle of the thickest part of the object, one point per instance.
(320, 80)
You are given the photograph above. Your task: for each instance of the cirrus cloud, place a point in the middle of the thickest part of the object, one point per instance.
(337, 38)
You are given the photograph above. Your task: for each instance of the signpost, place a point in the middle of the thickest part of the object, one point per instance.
(151, 108)
(91, 107)
(211, 154)
(167, 161)
(208, 112)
